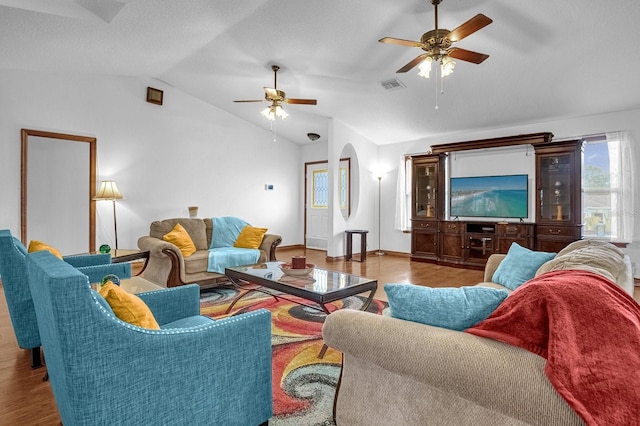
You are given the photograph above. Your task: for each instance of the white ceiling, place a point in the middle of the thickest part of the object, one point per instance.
(548, 59)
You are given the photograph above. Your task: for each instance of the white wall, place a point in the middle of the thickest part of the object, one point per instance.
(562, 129)
(151, 151)
(364, 155)
(164, 158)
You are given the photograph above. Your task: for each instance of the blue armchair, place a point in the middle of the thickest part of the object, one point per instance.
(193, 371)
(16, 288)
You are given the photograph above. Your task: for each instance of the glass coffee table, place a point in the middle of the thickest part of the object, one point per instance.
(320, 286)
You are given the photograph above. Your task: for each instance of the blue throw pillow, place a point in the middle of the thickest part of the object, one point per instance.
(453, 308)
(519, 265)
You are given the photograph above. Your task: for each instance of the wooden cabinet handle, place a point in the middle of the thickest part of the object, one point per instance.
(556, 232)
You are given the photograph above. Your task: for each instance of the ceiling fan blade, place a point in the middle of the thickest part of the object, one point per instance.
(252, 100)
(401, 42)
(301, 101)
(471, 26)
(467, 55)
(413, 63)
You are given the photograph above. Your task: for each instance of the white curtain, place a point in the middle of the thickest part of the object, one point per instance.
(403, 195)
(627, 177)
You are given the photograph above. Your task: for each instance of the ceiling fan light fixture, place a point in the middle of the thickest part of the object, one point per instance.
(447, 65)
(424, 69)
(273, 111)
(280, 112)
(269, 113)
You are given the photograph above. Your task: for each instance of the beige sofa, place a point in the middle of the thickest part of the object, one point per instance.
(405, 373)
(169, 268)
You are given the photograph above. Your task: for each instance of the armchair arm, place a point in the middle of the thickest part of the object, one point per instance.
(174, 303)
(166, 264)
(489, 373)
(79, 260)
(269, 244)
(97, 272)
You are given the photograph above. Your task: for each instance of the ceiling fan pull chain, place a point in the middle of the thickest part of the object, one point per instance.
(436, 86)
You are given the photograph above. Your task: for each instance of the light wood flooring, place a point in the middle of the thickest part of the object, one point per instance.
(26, 400)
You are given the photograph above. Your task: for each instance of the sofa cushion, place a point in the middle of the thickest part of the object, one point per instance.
(595, 256)
(229, 257)
(179, 237)
(195, 227)
(519, 265)
(188, 322)
(197, 262)
(128, 307)
(491, 284)
(452, 308)
(250, 237)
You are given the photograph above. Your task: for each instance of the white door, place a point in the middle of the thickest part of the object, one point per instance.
(317, 206)
(317, 202)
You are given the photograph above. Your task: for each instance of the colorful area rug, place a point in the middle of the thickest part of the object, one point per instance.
(303, 385)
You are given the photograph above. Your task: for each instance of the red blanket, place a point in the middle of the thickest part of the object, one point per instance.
(588, 329)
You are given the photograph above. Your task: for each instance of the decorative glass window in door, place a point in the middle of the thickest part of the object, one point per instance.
(344, 188)
(320, 189)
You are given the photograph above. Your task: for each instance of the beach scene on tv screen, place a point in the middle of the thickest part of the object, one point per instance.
(490, 196)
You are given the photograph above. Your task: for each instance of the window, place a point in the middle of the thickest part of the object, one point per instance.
(607, 201)
(344, 188)
(320, 189)
(403, 195)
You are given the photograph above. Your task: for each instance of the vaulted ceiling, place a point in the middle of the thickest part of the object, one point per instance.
(548, 59)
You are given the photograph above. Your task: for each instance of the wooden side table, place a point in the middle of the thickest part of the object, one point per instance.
(122, 255)
(363, 244)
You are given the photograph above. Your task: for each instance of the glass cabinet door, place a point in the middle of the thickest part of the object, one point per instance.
(556, 188)
(425, 185)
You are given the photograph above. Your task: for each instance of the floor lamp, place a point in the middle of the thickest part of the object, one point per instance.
(108, 191)
(379, 252)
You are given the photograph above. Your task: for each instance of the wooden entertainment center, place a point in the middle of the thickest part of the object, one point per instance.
(435, 237)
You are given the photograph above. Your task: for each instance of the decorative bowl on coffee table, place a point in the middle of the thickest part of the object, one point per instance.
(287, 269)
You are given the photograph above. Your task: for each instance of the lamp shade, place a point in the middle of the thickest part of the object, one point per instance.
(108, 191)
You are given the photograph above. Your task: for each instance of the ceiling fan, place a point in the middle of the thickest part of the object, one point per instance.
(437, 45)
(277, 97)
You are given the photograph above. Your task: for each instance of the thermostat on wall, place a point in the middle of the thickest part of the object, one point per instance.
(268, 187)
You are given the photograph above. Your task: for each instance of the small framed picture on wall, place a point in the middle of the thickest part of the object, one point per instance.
(154, 96)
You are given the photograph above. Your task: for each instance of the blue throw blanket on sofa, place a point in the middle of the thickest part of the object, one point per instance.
(222, 253)
(225, 231)
(226, 257)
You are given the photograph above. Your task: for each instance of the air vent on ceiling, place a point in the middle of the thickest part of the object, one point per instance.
(393, 84)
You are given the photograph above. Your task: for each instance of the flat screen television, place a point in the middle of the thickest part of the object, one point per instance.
(490, 196)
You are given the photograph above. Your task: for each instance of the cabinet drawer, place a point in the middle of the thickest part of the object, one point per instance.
(425, 225)
(558, 231)
(451, 227)
(513, 229)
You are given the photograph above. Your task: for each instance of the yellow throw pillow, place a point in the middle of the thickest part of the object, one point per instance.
(128, 307)
(250, 237)
(36, 245)
(180, 237)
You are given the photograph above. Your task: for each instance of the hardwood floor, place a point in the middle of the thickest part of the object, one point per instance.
(26, 400)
